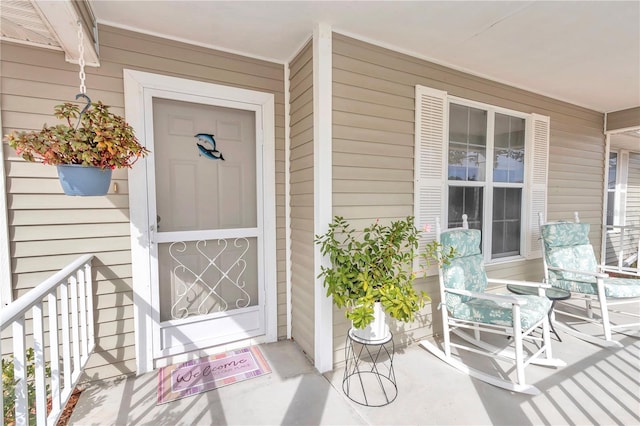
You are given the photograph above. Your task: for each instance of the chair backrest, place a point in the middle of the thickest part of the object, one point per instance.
(566, 245)
(466, 269)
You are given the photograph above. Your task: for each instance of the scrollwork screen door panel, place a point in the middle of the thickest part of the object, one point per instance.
(207, 277)
(203, 281)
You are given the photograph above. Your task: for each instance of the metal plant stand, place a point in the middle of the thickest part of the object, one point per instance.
(369, 378)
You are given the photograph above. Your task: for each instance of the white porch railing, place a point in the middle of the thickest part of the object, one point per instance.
(622, 248)
(65, 352)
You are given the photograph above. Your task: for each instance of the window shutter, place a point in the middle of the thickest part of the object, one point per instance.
(539, 127)
(429, 167)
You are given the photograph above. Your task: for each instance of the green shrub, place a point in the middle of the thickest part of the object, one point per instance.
(375, 265)
(9, 387)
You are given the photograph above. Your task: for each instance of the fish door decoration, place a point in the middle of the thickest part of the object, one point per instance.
(207, 146)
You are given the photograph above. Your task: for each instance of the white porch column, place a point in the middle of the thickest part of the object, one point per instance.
(323, 208)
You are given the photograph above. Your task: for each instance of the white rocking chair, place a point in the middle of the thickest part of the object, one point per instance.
(570, 264)
(469, 312)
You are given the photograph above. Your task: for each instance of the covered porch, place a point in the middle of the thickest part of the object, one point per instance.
(598, 386)
(341, 136)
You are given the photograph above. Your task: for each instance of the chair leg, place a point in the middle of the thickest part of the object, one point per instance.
(604, 318)
(516, 387)
(446, 331)
(546, 336)
(604, 315)
(517, 341)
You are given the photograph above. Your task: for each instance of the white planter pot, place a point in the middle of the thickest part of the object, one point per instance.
(378, 330)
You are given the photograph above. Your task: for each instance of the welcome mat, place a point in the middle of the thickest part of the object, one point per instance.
(204, 374)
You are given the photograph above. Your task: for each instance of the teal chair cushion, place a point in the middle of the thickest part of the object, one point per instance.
(565, 234)
(466, 269)
(466, 242)
(567, 246)
(613, 287)
(490, 312)
(466, 272)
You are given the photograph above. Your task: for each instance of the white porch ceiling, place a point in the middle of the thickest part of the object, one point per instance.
(583, 52)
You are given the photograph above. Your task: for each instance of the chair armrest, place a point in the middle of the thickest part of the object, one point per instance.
(504, 298)
(522, 283)
(573, 271)
(612, 269)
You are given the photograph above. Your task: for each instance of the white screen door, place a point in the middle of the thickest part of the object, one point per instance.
(202, 228)
(206, 233)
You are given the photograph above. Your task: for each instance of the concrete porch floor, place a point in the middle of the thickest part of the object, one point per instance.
(598, 386)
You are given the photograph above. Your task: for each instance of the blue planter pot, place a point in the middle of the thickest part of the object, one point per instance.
(84, 180)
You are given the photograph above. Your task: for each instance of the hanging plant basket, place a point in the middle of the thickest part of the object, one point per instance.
(76, 179)
(85, 153)
(86, 146)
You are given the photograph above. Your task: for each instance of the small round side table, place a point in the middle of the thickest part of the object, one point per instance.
(554, 294)
(369, 378)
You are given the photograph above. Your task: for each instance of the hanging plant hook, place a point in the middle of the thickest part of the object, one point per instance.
(86, 107)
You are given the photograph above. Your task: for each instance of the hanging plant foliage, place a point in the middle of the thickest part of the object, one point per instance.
(101, 139)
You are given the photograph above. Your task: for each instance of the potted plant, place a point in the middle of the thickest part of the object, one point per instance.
(371, 272)
(84, 153)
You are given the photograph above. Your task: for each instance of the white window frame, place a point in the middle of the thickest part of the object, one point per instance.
(620, 190)
(431, 177)
(488, 185)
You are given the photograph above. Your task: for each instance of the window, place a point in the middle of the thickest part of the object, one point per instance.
(484, 161)
(611, 187)
(617, 187)
(486, 155)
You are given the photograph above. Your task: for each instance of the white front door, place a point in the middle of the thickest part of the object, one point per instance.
(207, 240)
(200, 218)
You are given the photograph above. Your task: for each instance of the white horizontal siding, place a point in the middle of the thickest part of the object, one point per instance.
(48, 228)
(373, 146)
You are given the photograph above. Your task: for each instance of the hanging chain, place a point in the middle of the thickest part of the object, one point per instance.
(83, 88)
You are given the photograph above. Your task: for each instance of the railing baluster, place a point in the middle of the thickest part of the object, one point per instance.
(83, 315)
(66, 343)
(54, 350)
(38, 359)
(622, 241)
(78, 341)
(75, 339)
(20, 372)
(621, 249)
(89, 282)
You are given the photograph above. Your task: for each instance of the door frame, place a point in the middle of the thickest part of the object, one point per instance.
(139, 89)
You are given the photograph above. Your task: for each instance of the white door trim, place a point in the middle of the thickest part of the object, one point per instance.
(138, 89)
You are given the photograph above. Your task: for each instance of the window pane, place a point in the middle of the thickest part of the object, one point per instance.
(611, 196)
(458, 123)
(613, 169)
(465, 200)
(505, 234)
(477, 126)
(467, 143)
(508, 151)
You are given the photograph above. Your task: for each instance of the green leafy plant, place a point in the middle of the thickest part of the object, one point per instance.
(100, 139)
(375, 265)
(9, 387)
